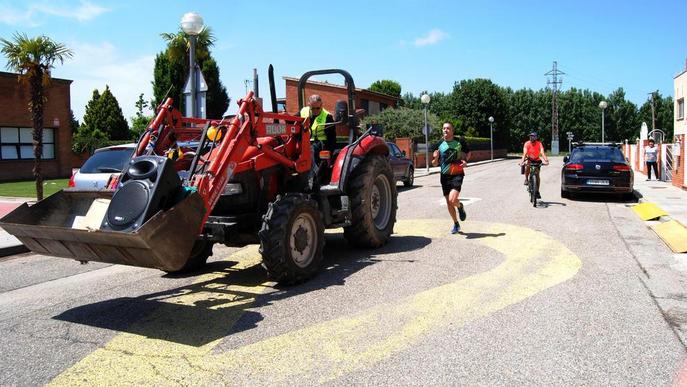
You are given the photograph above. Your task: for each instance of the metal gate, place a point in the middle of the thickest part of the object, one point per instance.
(667, 162)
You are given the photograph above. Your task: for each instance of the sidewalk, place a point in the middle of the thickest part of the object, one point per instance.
(10, 245)
(664, 206)
(665, 195)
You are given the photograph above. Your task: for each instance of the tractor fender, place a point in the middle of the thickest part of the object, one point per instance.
(350, 156)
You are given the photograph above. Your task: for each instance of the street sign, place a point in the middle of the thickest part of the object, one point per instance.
(570, 136)
(426, 130)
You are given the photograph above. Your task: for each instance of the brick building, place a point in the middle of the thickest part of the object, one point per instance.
(16, 149)
(371, 101)
(680, 129)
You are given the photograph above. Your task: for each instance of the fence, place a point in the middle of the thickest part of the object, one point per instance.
(670, 159)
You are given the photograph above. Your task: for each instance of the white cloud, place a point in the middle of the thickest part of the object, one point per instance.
(95, 66)
(84, 12)
(34, 13)
(432, 37)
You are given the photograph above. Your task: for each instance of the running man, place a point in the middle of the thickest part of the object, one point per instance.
(453, 155)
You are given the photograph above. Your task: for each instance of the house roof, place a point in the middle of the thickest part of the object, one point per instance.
(58, 80)
(357, 89)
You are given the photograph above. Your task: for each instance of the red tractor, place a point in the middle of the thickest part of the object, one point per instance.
(194, 182)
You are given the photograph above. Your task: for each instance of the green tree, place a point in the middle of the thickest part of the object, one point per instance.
(217, 98)
(663, 111)
(140, 121)
(73, 122)
(172, 69)
(33, 59)
(88, 139)
(404, 122)
(473, 102)
(622, 119)
(104, 113)
(114, 123)
(386, 86)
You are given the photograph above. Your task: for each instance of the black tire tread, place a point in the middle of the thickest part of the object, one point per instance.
(273, 245)
(362, 231)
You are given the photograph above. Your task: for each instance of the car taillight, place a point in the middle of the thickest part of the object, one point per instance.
(71, 183)
(621, 167)
(574, 167)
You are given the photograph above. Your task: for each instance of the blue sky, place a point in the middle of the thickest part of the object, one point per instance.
(424, 45)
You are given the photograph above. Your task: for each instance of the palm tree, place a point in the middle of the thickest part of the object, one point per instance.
(178, 45)
(33, 58)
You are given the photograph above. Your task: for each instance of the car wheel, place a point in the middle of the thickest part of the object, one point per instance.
(410, 179)
(565, 194)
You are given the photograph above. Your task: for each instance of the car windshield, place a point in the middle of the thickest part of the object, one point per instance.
(112, 160)
(597, 154)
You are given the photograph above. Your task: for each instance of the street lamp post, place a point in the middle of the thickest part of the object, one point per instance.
(425, 100)
(603, 105)
(192, 25)
(491, 136)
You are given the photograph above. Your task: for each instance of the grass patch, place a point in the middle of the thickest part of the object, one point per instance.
(27, 189)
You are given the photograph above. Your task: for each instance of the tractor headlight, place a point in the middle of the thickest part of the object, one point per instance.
(232, 189)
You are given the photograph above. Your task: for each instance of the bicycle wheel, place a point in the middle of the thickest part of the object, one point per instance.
(533, 189)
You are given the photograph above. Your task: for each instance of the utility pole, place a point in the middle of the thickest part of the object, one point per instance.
(653, 111)
(555, 82)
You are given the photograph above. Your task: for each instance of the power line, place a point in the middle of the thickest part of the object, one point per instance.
(554, 73)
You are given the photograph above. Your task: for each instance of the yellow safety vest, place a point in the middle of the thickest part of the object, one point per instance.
(318, 124)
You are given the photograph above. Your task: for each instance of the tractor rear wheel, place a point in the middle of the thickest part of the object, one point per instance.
(200, 252)
(292, 239)
(373, 197)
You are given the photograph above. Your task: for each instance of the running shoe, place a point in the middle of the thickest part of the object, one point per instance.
(456, 228)
(461, 212)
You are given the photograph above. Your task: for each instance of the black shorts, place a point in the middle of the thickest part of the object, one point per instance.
(449, 182)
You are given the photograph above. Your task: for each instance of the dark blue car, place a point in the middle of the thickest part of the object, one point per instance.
(596, 168)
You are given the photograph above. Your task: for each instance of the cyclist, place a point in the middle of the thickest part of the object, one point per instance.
(454, 155)
(533, 153)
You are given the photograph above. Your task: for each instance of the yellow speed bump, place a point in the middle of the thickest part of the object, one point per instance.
(674, 234)
(649, 211)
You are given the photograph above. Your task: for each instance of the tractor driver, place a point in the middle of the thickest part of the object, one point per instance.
(322, 129)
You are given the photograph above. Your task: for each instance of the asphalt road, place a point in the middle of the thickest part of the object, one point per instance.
(552, 295)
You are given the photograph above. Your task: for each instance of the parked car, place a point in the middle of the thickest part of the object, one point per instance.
(96, 171)
(401, 165)
(596, 168)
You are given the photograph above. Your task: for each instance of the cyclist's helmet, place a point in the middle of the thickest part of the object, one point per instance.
(533, 135)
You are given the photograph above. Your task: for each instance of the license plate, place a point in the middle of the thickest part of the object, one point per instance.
(597, 182)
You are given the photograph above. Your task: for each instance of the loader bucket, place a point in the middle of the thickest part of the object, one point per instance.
(163, 242)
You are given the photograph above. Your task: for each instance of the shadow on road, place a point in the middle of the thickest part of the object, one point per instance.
(479, 235)
(606, 198)
(544, 204)
(202, 312)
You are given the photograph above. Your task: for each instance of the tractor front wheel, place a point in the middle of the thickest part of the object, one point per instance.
(292, 239)
(200, 252)
(373, 197)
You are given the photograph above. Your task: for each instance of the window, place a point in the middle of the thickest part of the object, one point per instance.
(597, 154)
(394, 150)
(17, 143)
(680, 108)
(365, 104)
(382, 106)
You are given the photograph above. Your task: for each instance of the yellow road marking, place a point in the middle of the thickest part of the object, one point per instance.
(648, 211)
(327, 350)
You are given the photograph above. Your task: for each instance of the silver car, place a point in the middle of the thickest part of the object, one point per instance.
(97, 170)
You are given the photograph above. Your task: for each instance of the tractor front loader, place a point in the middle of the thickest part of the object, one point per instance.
(195, 182)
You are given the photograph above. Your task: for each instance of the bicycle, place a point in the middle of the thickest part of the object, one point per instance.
(532, 180)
